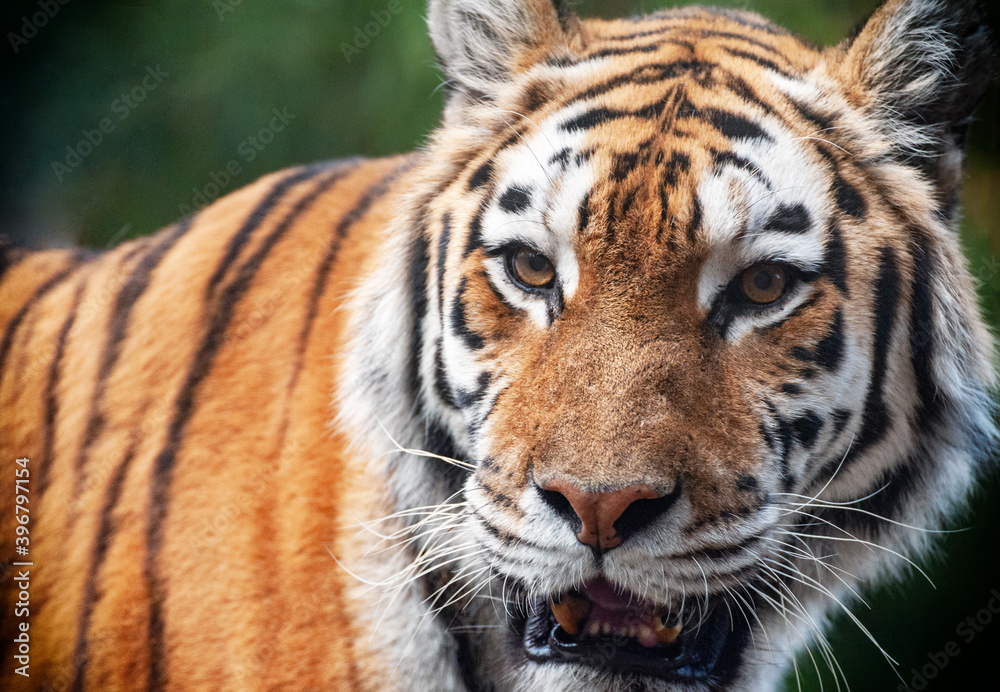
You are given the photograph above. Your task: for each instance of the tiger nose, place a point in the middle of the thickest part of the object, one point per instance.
(606, 518)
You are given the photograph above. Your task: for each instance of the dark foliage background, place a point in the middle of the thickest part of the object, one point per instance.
(229, 63)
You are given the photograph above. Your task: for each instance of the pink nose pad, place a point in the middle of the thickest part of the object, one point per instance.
(598, 511)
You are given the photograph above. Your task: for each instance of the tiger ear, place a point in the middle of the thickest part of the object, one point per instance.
(920, 67)
(481, 44)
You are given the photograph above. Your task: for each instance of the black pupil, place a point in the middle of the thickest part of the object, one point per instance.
(537, 262)
(763, 279)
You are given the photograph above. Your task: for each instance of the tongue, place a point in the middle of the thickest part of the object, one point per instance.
(607, 597)
(619, 612)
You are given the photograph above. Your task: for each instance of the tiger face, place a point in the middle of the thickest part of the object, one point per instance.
(698, 322)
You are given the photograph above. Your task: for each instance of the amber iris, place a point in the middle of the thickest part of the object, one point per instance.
(531, 268)
(764, 283)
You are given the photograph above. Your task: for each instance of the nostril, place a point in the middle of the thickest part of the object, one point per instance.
(562, 506)
(641, 513)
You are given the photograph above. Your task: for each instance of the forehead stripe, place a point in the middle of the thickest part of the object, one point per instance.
(763, 62)
(734, 126)
(515, 199)
(566, 61)
(789, 218)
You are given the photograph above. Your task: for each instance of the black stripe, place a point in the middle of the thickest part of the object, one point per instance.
(707, 33)
(673, 167)
(597, 116)
(482, 175)
(568, 61)
(849, 200)
(184, 408)
(806, 427)
(841, 417)
(121, 314)
(416, 286)
(734, 126)
(645, 74)
(830, 350)
(728, 158)
(256, 218)
(441, 384)
(884, 498)
(694, 225)
(458, 322)
(835, 259)
(475, 238)
(326, 264)
(466, 398)
(515, 199)
(417, 265)
(128, 296)
(583, 219)
(789, 218)
(99, 550)
(52, 395)
(785, 436)
(932, 401)
(763, 62)
(442, 257)
(875, 417)
(823, 122)
(73, 264)
(361, 207)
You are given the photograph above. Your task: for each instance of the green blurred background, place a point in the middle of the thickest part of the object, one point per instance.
(223, 68)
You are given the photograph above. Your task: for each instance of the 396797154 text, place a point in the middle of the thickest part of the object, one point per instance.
(22, 566)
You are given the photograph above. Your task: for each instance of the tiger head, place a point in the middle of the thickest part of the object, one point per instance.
(685, 294)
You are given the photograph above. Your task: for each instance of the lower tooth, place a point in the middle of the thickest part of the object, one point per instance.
(594, 628)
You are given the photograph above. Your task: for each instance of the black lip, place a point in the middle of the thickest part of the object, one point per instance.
(709, 652)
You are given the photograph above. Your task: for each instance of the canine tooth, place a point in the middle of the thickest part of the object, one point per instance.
(594, 628)
(570, 612)
(664, 634)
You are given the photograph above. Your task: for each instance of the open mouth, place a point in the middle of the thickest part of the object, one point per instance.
(602, 626)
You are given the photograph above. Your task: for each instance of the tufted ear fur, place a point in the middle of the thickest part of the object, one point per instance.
(482, 43)
(920, 67)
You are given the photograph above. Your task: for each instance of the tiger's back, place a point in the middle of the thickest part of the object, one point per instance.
(166, 459)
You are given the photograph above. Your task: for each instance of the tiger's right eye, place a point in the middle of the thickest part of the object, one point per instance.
(531, 269)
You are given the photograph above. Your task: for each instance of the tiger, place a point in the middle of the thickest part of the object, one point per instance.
(659, 350)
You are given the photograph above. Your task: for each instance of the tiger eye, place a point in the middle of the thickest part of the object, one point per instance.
(764, 283)
(533, 269)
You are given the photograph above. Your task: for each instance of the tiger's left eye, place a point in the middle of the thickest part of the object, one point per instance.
(531, 269)
(764, 283)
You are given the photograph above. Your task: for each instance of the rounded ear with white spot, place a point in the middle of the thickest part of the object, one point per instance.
(482, 43)
(920, 67)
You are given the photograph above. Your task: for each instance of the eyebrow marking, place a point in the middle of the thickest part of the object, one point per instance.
(789, 218)
(515, 199)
